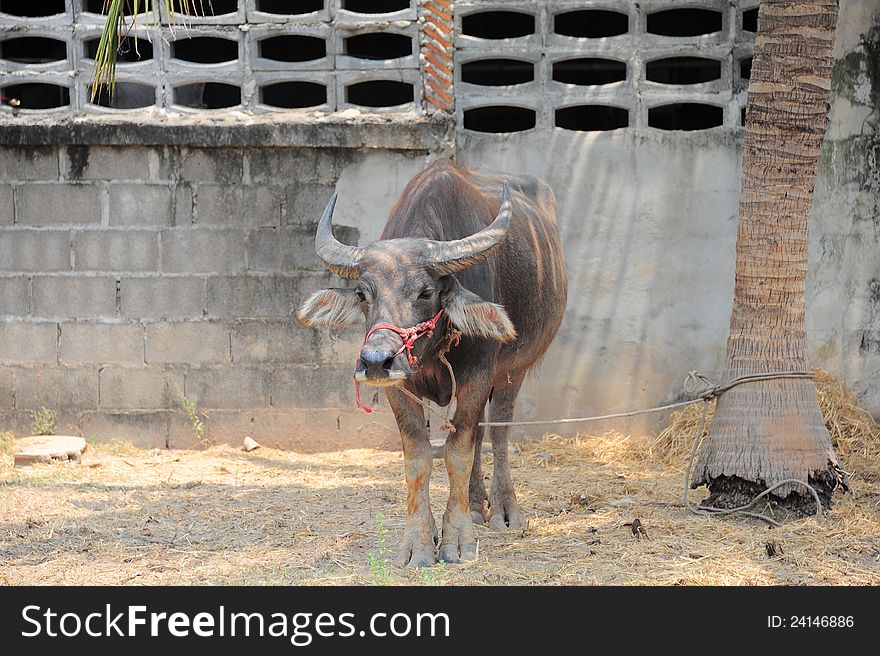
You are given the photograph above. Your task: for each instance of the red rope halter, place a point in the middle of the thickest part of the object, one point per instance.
(409, 336)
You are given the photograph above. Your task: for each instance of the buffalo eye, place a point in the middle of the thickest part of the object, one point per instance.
(426, 295)
(361, 296)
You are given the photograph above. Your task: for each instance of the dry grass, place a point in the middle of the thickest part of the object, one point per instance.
(222, 516)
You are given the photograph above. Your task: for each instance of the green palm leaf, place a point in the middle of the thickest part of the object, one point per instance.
(121, 20)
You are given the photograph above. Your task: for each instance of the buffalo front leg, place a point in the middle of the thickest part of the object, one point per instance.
(504, 510)
(419, 544)
(459, 542)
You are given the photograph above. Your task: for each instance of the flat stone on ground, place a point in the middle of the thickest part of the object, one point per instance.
(48, 448)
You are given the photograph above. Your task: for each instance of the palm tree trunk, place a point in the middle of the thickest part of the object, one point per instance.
(769, 431)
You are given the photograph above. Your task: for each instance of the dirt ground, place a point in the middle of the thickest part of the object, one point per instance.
(223, 516)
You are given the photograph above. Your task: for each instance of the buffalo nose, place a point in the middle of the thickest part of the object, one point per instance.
(376, 364)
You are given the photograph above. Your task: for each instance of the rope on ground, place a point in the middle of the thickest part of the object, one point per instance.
(709, 393)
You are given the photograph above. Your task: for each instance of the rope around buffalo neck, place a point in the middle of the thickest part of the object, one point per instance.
(453, 337)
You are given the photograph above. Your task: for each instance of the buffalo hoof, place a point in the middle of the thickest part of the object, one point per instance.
(458, 542)
(418, 548)
(478, 512)
(506, 515)
(456, 553)
(410, 555)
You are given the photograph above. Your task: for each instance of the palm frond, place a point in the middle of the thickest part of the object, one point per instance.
(121, 20)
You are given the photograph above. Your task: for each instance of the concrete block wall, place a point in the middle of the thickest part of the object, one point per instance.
(130, 275)
(551, 41)
(167, 82)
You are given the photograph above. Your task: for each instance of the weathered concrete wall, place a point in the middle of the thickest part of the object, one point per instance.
(648, 219)
(648, 222)
(843, 301)
(131, 274)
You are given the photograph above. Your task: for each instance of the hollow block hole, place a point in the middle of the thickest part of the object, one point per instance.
(683, 70)
(131, 50)
(218, 7)
(498, 24)
(591, 23)
(207, 95)
(284, 6)
(499, 118)
(293, 48)
(380, 93)
(592, 118)
(36, 95)
(127, 95)
(98, 7)
(32, 8)
(588, 71)
(745, 68)
(378, 46)
(497, 72)
(684, 22)
(205, 50)
(293, 95)
(375, 6)
(33, 50)
(750, 20)
(685, 116)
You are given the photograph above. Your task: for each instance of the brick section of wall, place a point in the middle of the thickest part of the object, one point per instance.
(436, 58)
(7, 209)
(63, 389)
(163, 297)
(7, 390)
(25, 342)
(132, 275)
(15, 296)
(31, 163)
(101, 343)
(191, 343)
(139, 387)
(140, 205)
(38, 204)
(34, 250)
(115, 250)
(65, 296)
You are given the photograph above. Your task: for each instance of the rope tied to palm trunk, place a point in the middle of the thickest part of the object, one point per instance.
(707, 396)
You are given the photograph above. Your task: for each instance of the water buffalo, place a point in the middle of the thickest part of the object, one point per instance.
(463, 250)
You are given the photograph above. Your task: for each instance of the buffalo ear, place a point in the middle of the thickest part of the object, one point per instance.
(334, 308)
(478, 318)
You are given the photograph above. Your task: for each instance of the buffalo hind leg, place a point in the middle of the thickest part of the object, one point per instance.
(459, 542)
(477, 489)
(419, 543)
(504, 510)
